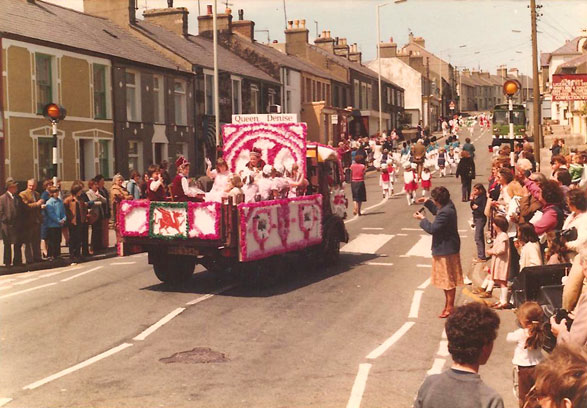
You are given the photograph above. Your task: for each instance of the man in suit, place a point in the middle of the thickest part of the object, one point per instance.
(33, 218)
(10, 220)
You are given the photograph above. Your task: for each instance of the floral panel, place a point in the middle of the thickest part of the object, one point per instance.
(204, 220)
(168, 220)
(133, 218)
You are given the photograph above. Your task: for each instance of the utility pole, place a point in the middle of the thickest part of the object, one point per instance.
(428, 92)
(215, 59)
(284, 14)
(536, 129)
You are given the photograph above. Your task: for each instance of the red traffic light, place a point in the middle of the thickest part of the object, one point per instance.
(54, 112)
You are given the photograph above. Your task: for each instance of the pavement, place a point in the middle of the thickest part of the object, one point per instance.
(362, 333)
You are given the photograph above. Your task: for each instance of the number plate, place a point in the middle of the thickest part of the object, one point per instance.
(183, 251)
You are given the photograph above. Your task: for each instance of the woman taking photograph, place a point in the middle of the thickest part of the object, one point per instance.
(447, 272)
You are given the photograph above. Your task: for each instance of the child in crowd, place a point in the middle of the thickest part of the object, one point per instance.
(529, 338)
(385, 180)
(451, 161)
(426, 180)
(556, 251)
(528, 246)
(234, 190)
(500, 253)
(55, 212)
(410, 185)
(478, 203)
(264, 182)
(441, 162)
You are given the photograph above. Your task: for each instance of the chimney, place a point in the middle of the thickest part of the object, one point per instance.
(502, 71)
(466, 73)
(388, 50)
(172, 19)
(223, 22)
(246, 28)
(325, 41)
(296, 38)
(121, 12)
(420, 41)
(341, 48)
(354, 54)
(515, 72)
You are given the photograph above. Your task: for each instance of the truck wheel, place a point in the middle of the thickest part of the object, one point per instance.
(174, 270)
(331, 247)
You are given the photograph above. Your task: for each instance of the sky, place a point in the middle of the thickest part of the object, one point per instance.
(469, 33)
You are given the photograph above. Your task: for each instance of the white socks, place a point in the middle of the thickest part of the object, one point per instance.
(409, 197)
(487, 284)
(503, 295)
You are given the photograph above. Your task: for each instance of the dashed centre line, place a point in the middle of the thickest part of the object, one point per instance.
(390, 341)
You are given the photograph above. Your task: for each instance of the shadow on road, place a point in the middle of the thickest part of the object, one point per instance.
(266, 278)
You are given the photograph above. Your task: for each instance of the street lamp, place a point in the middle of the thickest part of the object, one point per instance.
(378, 6)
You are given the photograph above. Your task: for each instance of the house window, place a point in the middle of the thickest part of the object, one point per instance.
(104, 158)
(327, 94)
(44, 77)
(308, 90)
(45, 150)
(133, 96)
(182, 150)
(388, 95)
(287, 77)
(254, 99)
(135, 156)
(271, 97)
(158, 99)
(100, 92)
(287, 102)
(209, 91)
(368, 97)
(179, 94)
(236, 97)
(363, 96)
(320, 96)
(357, 92)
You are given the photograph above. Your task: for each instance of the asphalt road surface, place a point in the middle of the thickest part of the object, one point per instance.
(362, 333)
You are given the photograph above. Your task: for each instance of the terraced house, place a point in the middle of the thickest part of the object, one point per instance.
(88, 65)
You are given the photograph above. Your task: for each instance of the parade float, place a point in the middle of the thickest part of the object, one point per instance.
(222, 236)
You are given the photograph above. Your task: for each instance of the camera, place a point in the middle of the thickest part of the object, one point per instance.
(569, 234)
(549, 338)
(421, 210)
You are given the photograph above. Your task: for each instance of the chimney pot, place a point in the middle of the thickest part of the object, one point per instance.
(290, 24)
(323, 35)
(170, 3)
(327, 33)
(297, 23)
(390, 39)
(209, 9)
(228, 11)
(302, 23)
(241, 14)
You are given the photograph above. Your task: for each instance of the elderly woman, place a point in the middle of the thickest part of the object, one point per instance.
(447, 272)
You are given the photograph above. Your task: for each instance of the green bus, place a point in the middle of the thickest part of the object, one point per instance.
(501, 128)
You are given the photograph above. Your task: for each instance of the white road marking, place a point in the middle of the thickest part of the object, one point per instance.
(123, 263)
(160, 323)
(390, 341)
(411, 229)
(415, 307)
(365, 210)
(366, 243)
(422, 247)
(372, 228)
(81, 274)
(47, 275)
(379, 263)
(77, 366)
(463, 236)
(24, 282)
(209, 295)
(401, 235)
(444, 334)
(7, 281)
(425, 284)
(443, 349)
(27, 290)
(359, 386)
(424, 266)
(437, 366)
(4, 401)
(351, 219)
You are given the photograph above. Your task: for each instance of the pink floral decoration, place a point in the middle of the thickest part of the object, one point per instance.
(214, 210)
(125, 208)
(246, 211)
(243, 137)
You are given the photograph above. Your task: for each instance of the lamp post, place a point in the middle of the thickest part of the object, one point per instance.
(216, 101)
(377, 7)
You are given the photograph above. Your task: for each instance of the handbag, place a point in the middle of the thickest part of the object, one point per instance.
(92, 216)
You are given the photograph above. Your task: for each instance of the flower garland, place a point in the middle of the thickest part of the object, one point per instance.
(213, 210)
(125, 209)
(172, 220)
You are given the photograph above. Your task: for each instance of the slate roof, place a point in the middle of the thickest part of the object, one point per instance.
(285, 60)
(545, 59)
(352, 65)
(198, 50)
(570, 47)
(65, 27)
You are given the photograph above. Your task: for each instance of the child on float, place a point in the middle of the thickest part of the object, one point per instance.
(500, 259)
(385, 180)
(220, 175)
(426, 180)
(250, 188)
(156, 190)
(234, 190)
(280, 185)
(297, 182)
(529, 339)
(410, 185)
(265, 182)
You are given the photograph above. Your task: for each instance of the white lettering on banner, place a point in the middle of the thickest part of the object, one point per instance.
(569, 87)
(266, 118)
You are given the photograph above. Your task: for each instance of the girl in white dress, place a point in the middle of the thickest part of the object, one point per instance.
(220, 175)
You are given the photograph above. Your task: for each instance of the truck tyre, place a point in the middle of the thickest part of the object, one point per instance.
(174, 270)
(331, 247)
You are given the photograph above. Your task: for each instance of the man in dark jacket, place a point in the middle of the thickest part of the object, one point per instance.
(466, 171)
(10, 223)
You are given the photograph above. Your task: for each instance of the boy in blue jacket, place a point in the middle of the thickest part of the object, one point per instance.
(55, 213)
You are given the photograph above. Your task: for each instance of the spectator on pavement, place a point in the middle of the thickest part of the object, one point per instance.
(471, 331)
(447, 272)
(56, 220)
(98, 205)
(558, 162)
(117, 195)
(133, 187)
(33, 218)
(47, 184)
(76, 212)
(107, 211)
(11, 215)
(552, 198)
(561, 380)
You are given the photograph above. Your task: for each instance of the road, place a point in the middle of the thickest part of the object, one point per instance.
(362, 333)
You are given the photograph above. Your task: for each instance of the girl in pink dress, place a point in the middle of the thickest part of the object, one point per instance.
(500, 256)
(410, 185)
(426, 180)
(385, 180)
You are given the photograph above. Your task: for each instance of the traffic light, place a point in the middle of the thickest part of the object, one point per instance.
(54, 112)
(511, 87)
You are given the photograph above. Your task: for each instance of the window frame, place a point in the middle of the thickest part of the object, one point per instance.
(238, 98)
(254, 102)
(159, 99)
(182, 119)
(51, 80)
(137, 96)
(209, 106)
(138, 155)
(106, 91)
(357, 94)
